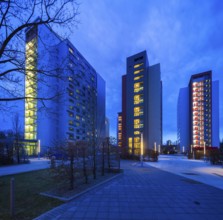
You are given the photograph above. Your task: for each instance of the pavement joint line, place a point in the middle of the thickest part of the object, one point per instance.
(60, 209)
(83, 192)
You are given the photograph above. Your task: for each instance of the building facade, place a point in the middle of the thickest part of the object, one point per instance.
(107, 127)
(119, 130)
(65, 96)
(198, 113)
(141, 114)
(183, 120)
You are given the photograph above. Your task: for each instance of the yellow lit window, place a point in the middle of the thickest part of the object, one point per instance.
(137, 123)
(136, 140)
(136, 132)
(138, 87)
(138, 65)
(130, 142)
(138, 71)
(138, 77)
(137, 145)
(138, 99)
(138, 111)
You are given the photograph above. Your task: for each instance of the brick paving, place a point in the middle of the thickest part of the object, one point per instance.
(144, 193)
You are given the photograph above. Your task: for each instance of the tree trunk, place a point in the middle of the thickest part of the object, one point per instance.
(72, 172)
(103, 159)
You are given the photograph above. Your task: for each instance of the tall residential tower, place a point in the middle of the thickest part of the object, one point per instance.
(57, 71)
(141, 105)
(198, 112)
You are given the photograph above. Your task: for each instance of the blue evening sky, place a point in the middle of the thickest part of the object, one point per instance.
(184, 36)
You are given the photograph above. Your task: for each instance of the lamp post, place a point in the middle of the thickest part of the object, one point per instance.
(204, 149)
(155, 146)
(39, 149)
(141, 156)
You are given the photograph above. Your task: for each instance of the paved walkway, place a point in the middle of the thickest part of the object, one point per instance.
(197, 170)
(144, 193)
(35, 164)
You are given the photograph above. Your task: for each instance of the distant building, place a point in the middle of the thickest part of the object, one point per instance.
(183, 120)
(78, 111)
(198, 112)
(168, 142)
(141, 105)
(107, 127)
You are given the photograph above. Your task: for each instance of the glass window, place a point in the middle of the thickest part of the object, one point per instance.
(130, 142)
(138, 87)
(138, 77)
(138, 99)
(138, 65)
(138, 71)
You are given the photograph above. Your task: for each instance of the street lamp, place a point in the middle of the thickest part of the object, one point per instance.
(141, 156)
(155, 146)
(204, 149)
(38, 145)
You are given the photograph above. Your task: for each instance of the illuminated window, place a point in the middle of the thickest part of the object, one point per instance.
(77, 117)
(138, 99)
(138, 111)
(136, 140)
(70, 78)
(130, 142)
(138, 77)
(138, 123)
(71, 114)
(71, 50)
(138, 71)
(138, 65)
(136, 132)
(31, 90)
(138, 87)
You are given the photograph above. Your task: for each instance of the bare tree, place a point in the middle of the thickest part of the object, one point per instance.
(15, 17)
(16, 130)
(64, 171)
(83, 149)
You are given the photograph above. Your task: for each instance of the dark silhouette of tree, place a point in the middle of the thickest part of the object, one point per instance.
(15, 17)
(66, 153)
(16, 131)
(83, 153)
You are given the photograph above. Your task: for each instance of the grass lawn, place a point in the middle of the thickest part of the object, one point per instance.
(28, 202)
(28, 186)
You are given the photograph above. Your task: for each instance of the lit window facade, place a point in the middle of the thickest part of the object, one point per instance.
(201, 110)
(78, 113)
(138, 87)
(30, 132)
(130, 145)
(138, 65)
(138, 71)
(119, 129)
(141, 104)
(31, 89)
